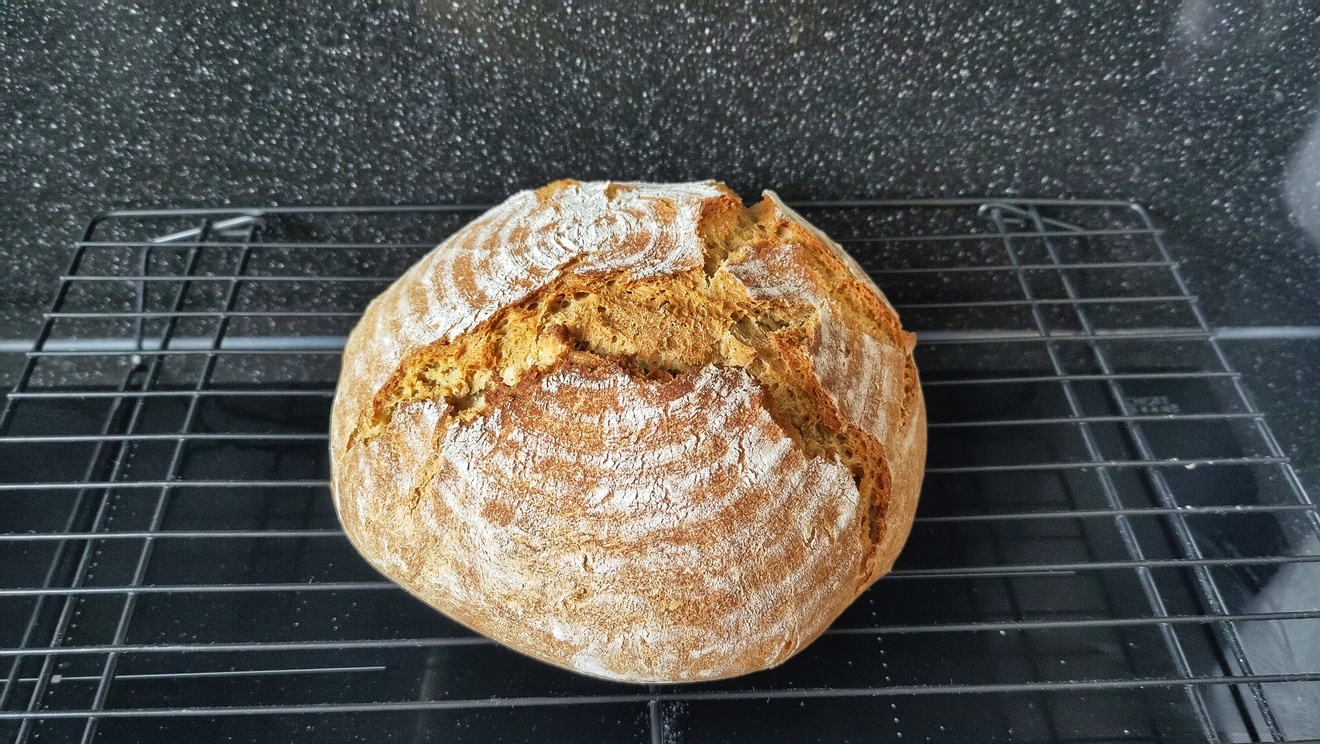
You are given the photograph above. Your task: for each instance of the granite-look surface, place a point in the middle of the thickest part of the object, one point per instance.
(1205, 110)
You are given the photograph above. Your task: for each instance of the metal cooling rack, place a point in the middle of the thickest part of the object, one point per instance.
(1110, 545)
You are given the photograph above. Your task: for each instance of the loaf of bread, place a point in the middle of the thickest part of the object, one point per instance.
(634, 430)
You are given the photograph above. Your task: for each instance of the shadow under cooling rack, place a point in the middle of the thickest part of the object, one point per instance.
(1110, 544)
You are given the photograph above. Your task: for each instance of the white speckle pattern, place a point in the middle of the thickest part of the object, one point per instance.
(1195, 108)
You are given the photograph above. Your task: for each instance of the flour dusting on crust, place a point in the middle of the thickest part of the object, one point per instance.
(863, 375)
(770, 270)
(662, 496)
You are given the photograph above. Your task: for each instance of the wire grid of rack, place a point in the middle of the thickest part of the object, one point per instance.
(1106, 546)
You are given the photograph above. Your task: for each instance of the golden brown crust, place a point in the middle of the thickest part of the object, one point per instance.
(632, 429)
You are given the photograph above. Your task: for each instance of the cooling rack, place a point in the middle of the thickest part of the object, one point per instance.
(1110, 542)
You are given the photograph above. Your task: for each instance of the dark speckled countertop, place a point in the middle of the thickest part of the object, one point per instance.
(1204, 110)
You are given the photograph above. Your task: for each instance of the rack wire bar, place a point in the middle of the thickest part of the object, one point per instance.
(273, 534)
(900, 306)
(1187, 463)
(1141, 565)
(210, 393)
(328, 392)
(354, 278)
(1098, 478)
(648, 697)
(333, 345)
(1171, 418)
(474, 640)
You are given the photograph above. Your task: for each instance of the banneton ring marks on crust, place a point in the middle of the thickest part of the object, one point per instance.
(634, 430)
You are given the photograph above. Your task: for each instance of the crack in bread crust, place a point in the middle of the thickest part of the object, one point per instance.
(667, 326)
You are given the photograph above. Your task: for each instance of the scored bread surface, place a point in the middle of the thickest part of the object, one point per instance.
(635, 430)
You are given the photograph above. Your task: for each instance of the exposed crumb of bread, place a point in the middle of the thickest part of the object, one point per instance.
(669, 325)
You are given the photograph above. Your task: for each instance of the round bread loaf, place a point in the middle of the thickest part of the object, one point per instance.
(634, 430)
